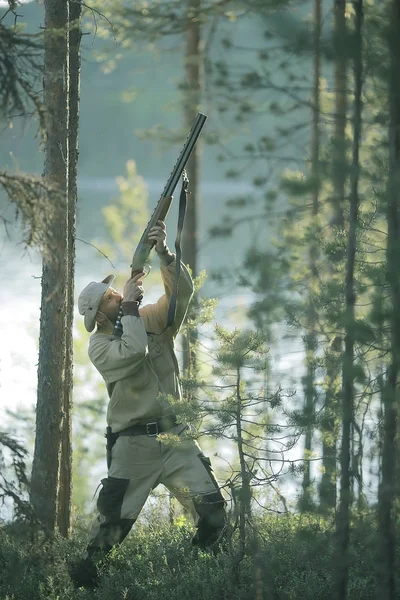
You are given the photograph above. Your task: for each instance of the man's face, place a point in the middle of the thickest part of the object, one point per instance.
(110, 304)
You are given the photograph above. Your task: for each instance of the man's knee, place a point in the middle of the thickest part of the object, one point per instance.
(111, 497)
(212, 519)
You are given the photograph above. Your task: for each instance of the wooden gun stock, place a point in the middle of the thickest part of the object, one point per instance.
(144, 247)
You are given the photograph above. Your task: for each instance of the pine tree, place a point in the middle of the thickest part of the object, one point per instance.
(65, 486)
(52, 344)
(386, 586)
(348, 375)
(311, 339)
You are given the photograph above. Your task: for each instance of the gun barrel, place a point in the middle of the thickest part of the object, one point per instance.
(184, 155)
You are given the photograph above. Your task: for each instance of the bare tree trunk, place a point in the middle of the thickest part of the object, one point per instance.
(386, 573)
(193, 95)
(65, 489)
(52, 343)
(343, 516)
(327, 489)
(311, 337)
(245, 491)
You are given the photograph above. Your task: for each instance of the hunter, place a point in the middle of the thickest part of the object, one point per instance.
(141, 371)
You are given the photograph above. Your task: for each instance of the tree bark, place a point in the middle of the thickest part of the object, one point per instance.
(52, 342)
(386, 574)
(311, 338)
(65, 489)
(343, 516)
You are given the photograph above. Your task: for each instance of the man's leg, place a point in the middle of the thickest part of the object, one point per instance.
(112, 525)
(189, 476)
(123, 494)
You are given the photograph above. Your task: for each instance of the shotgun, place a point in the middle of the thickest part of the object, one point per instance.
(144, 246)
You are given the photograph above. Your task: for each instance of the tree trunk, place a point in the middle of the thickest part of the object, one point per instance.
(343, 516)
(52, 342)
(193, 86)
(327, 489)
(65, 489)
(193, 95)
(245, 491)
(311, 338)
(386, 575)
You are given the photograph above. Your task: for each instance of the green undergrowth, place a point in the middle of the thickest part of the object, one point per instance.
(287, 558)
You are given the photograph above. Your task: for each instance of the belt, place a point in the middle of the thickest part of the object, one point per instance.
(152, 428)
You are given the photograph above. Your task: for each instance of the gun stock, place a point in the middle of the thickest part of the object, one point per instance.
(144, 247)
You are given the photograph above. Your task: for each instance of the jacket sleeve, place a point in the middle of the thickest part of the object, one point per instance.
(116, 359)
(155, 315)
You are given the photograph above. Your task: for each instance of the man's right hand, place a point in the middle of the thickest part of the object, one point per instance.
(133, 290)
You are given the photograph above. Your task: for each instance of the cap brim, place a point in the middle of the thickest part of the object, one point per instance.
(89, 320)
(109, 279)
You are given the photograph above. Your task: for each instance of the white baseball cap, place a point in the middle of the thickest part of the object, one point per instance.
(90, 299)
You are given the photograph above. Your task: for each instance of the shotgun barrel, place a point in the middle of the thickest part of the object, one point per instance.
(144, 246)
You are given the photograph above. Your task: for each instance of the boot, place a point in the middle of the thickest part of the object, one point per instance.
(84, 574)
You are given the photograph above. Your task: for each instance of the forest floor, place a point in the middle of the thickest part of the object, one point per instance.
(286, 558)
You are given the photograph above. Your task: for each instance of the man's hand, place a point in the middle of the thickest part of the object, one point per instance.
(158, 234)
(133, 289)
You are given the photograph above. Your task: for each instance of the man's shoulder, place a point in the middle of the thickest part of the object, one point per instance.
(98, 335)
(97, 340)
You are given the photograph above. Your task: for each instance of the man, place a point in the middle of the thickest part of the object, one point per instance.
(140, 370)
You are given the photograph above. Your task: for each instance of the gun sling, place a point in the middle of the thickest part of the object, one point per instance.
(181, 219)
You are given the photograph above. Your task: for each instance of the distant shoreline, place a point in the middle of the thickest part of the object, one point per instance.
(109, 184)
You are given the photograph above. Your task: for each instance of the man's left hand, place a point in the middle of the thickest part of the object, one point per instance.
(158, 234)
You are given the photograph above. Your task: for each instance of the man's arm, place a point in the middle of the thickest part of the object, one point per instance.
(155, 315)
(118, 358)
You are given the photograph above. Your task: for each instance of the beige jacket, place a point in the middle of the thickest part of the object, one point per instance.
(142, 364)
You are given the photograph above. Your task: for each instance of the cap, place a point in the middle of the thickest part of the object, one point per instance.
(90, 299)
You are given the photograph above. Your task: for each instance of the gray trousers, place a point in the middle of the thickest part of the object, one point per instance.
(139, 464)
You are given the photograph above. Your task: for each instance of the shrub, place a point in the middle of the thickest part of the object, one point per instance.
(287, 558)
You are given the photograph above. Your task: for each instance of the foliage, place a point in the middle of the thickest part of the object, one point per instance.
(21, 71)
(233, 406)
(287, 288)
(289, 559)
(34, 199)
(21, 57)
(14, 480)
(127, 217)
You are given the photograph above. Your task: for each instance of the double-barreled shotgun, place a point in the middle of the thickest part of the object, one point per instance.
(144, 246)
